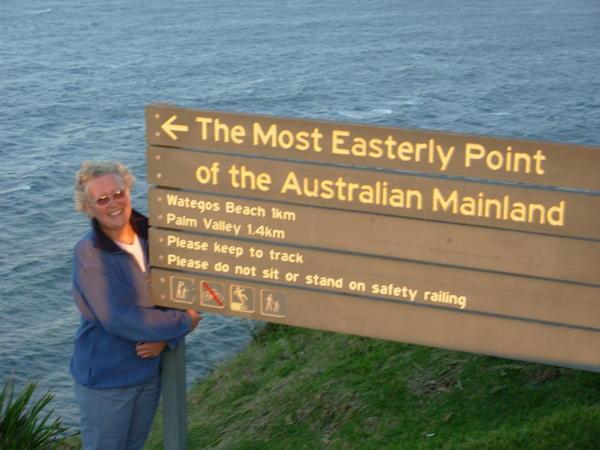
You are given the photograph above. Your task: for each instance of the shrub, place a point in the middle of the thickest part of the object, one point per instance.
(21, 424)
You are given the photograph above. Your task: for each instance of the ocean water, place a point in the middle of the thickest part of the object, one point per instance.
(75, 78)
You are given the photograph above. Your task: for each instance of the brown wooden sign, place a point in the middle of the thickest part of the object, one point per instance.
(509, 207)
(530, 162)
(417, 324)
(380, 278)
(462, 242)
(456, 245)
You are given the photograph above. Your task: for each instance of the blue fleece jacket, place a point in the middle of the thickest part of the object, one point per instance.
(113, 296)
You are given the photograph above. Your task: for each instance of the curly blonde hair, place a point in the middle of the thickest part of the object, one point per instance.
(94, 169)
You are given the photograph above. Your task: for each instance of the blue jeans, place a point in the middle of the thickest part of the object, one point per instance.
(117, 418)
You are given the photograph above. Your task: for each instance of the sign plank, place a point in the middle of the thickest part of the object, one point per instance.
(507, 207)
(381, 278)
(414, 240)
(531, 162)
(484, 334)
(377, 231)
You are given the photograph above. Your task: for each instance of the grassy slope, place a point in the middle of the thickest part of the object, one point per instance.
(303, 389)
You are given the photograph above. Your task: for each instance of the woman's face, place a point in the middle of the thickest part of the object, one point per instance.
(109, 202)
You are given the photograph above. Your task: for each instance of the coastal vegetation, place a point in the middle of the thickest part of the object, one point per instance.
(294, 388)
(23, 423)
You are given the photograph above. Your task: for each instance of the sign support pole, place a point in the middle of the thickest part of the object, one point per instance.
(174, 398)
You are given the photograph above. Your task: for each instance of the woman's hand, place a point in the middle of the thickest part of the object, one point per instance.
(195, 316)
(150, 349)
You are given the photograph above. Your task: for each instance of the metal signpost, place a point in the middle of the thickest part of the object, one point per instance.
(461, 242)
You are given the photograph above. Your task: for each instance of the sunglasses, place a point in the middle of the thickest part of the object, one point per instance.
(105, 199)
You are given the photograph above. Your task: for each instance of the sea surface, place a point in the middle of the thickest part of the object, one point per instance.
(75, 77)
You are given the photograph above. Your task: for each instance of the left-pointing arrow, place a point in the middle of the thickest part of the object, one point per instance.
(169, 127)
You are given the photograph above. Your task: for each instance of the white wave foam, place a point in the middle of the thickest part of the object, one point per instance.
(22, 187)
(38, 12)
(366, 115)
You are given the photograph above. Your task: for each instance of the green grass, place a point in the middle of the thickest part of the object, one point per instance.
(303, 389)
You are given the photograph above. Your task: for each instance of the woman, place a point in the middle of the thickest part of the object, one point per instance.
(117, 346)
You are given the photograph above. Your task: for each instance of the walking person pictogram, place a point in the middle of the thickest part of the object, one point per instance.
(272, 303)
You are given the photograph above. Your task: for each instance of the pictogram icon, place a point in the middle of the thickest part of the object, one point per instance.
(272, 303)
(212, 294)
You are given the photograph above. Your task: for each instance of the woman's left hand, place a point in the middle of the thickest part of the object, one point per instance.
(150, 349)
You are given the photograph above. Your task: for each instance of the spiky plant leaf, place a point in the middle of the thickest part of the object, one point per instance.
(21, 425)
